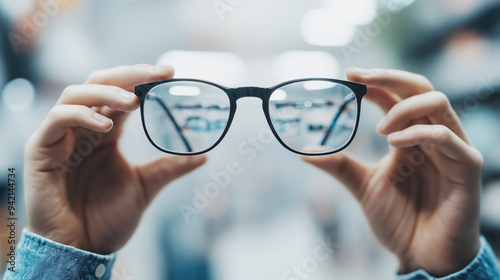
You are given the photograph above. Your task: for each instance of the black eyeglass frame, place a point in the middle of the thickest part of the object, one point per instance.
(234, 94)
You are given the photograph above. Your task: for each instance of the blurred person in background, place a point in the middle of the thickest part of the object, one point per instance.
(79, 217)
(21, 35)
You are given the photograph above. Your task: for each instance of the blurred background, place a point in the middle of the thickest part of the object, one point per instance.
(277, 211)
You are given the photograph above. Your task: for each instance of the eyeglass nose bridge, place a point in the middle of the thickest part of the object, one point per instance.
(262, 93)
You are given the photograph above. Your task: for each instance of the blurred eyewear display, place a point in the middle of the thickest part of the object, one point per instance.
(190, 117)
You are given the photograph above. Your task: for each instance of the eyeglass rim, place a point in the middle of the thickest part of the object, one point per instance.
(358, 89)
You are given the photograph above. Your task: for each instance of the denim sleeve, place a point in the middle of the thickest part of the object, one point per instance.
(40, 258)
(483, 267)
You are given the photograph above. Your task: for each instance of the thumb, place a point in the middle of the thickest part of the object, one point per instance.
(348, 170)
(157, 173)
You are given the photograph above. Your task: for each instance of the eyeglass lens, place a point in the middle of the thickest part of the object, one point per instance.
(186, 117)
(313, 113)
(189, 117)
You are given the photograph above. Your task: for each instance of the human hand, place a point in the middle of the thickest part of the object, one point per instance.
(422, 198)
(79, 189)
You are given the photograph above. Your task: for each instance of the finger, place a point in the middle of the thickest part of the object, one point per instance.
(349, 171)
(62, 117)
(433, 105)
(432, 136)
(163, 170)
(402, 83)
(383, 99)
(100, 95)
(127, 77)
(380, 96)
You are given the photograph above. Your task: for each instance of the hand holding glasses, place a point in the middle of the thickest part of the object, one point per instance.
(190, 117)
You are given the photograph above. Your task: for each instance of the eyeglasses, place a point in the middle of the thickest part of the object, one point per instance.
(190, 117)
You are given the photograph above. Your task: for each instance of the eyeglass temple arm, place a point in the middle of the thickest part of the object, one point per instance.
(335, 119)
(171, 117)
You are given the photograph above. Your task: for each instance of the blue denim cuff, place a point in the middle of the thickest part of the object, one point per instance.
(40, 258)
(483, 267)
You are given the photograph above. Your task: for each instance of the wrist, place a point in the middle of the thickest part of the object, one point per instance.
(64, 237)
(441, 262)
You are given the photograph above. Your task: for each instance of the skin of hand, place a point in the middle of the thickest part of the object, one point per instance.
(422, 198)
(79, 189)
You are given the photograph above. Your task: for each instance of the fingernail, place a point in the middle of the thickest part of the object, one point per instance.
(100, 118)
(363, 72)
(127, 95)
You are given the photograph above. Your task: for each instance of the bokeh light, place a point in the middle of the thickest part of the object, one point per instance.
(306, 64)
(18, 95)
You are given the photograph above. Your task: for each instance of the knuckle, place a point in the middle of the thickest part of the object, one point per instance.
(425, 82)
(399, 109)
(112, 92)
(29, 146)
(67, 111)
(475, 159)
(441, 133)
(54, 112)
(82, 111)
(150, 71)
(69, 90)
(114, 100)
(478, 158)
(94, 77)
(381, 73)
(146, 71)
(441, 99)
(142, 65)
(416, 131)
